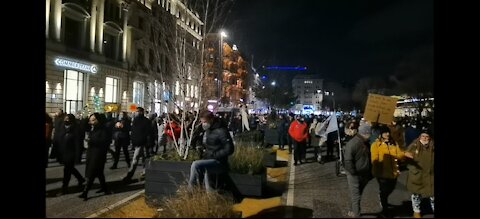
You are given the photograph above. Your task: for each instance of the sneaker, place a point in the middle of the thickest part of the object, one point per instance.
(417, 215)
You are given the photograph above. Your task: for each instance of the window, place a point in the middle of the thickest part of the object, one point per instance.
(72, 33)
(73, 91)
(110, 46)
(138, 88)
(111, 90)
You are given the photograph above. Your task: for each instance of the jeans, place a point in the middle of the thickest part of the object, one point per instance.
(139, 152)
(356, 184)
(200, 171)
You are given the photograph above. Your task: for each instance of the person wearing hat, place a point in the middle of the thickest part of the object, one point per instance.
(358, 166)
(385, 154)
(420, 179)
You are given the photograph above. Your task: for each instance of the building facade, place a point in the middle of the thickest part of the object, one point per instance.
(226, 73)
(105, 54)
(309, 92)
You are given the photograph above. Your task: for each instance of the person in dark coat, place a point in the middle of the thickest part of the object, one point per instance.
(68, 142)
(282, 131)
(58, 125)
(153, 136)
(139, 136)
(218, 147)
(83, 127)
(420, 180)
(98, 142)
(121, 136)
(110, 124)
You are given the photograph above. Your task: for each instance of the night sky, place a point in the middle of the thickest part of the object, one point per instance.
(341, 40)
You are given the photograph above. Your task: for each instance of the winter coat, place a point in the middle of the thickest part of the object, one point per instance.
(68, 144)
(98, 143)
(123, 131)
(420, 179)
(140, 131)
(219, 143)
(357, 157)
(176, 130)
(384, 159)
(298, 131)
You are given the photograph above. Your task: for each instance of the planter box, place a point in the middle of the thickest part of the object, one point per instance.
(249, 185)
(269, 159)
(162, 178)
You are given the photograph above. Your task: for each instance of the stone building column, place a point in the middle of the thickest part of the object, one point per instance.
(99, 33)
(93, 24)
(47, 15)
(57, 19)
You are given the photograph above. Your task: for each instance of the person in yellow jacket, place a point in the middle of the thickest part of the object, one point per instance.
(385, 155)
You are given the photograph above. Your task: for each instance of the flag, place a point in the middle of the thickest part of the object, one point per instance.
(332, 125)
(327, 126)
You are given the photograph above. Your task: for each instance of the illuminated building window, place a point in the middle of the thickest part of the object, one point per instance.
(138, 93)
(111, 90)
(73, 90)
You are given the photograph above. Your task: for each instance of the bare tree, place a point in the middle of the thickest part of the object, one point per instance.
(179, 59)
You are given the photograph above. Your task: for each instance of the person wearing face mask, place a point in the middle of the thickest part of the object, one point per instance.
(420, 179)
(299, 132)
(68, 142)
(218, 147)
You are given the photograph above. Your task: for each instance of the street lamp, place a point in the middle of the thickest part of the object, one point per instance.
(220, 73)
(274, 93)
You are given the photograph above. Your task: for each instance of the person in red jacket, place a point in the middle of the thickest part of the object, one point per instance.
(299, 132)
(173, 125)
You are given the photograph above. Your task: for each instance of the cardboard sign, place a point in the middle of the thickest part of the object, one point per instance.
(380, 108)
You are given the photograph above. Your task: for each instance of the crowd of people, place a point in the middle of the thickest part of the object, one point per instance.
(371, 150)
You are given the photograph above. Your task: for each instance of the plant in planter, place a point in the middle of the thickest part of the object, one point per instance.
(247, 170)
(197, 203)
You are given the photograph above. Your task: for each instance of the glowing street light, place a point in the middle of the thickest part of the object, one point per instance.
(223, 34)
(273, 83)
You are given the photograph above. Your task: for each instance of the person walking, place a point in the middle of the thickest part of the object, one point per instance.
(140, 134)
(121, 136)
(98, 143)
